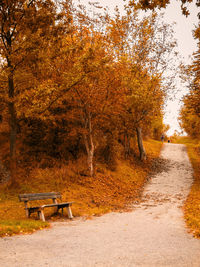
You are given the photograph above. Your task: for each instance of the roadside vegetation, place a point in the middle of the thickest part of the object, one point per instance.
(190, 122)
(192, 204)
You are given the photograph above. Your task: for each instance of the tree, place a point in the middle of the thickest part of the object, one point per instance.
(95, 97)
(190, 112)
(25, 26)
(143, 48)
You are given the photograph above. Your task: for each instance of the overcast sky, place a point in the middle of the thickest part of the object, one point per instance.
(186, 46)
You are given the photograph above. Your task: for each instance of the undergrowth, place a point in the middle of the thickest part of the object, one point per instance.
(110, 190)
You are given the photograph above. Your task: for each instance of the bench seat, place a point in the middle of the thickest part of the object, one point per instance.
(39, 209)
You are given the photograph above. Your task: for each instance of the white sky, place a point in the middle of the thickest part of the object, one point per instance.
(186, 46)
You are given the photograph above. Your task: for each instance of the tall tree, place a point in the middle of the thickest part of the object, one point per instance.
(143, 48)
(24, 25)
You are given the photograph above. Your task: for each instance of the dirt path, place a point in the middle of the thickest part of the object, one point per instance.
(153, 234)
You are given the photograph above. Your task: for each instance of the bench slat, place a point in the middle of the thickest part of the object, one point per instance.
(39, 196)
(60, 205)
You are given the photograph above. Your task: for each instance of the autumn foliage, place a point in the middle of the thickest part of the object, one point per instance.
(73, 84)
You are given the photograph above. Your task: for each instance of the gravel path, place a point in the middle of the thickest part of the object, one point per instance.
(153, 234)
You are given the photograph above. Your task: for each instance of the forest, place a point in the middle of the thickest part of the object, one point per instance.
(82, 93)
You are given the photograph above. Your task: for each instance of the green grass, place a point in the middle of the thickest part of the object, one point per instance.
(11, 227)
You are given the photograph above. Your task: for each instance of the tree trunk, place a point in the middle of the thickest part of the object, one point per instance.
(12, 122)
(140, 144)
(90, 162)
(13, 128)
(126, 145)
(88, 139)
(11, 109)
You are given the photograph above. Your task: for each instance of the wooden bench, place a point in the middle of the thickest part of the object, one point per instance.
(39, 209)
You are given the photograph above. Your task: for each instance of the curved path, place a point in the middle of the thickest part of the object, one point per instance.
(153, 234)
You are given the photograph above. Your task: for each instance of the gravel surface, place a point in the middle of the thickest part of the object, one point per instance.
(153, 234)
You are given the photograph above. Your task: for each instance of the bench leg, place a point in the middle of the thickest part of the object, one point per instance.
(27, 210)
(42, 215)
(69, 212)
(56, 208)
(28, 213)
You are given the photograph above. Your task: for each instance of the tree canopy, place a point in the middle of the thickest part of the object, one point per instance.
(72, 84)
(147, 4)
(190, 112)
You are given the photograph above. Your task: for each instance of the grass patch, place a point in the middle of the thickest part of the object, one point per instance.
(12, 227)
(109, 190)
(192, 204)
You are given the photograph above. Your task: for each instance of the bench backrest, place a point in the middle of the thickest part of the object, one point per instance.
(39, 196)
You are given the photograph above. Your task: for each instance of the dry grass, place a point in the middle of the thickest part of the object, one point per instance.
(192, 205)
(107, 191)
